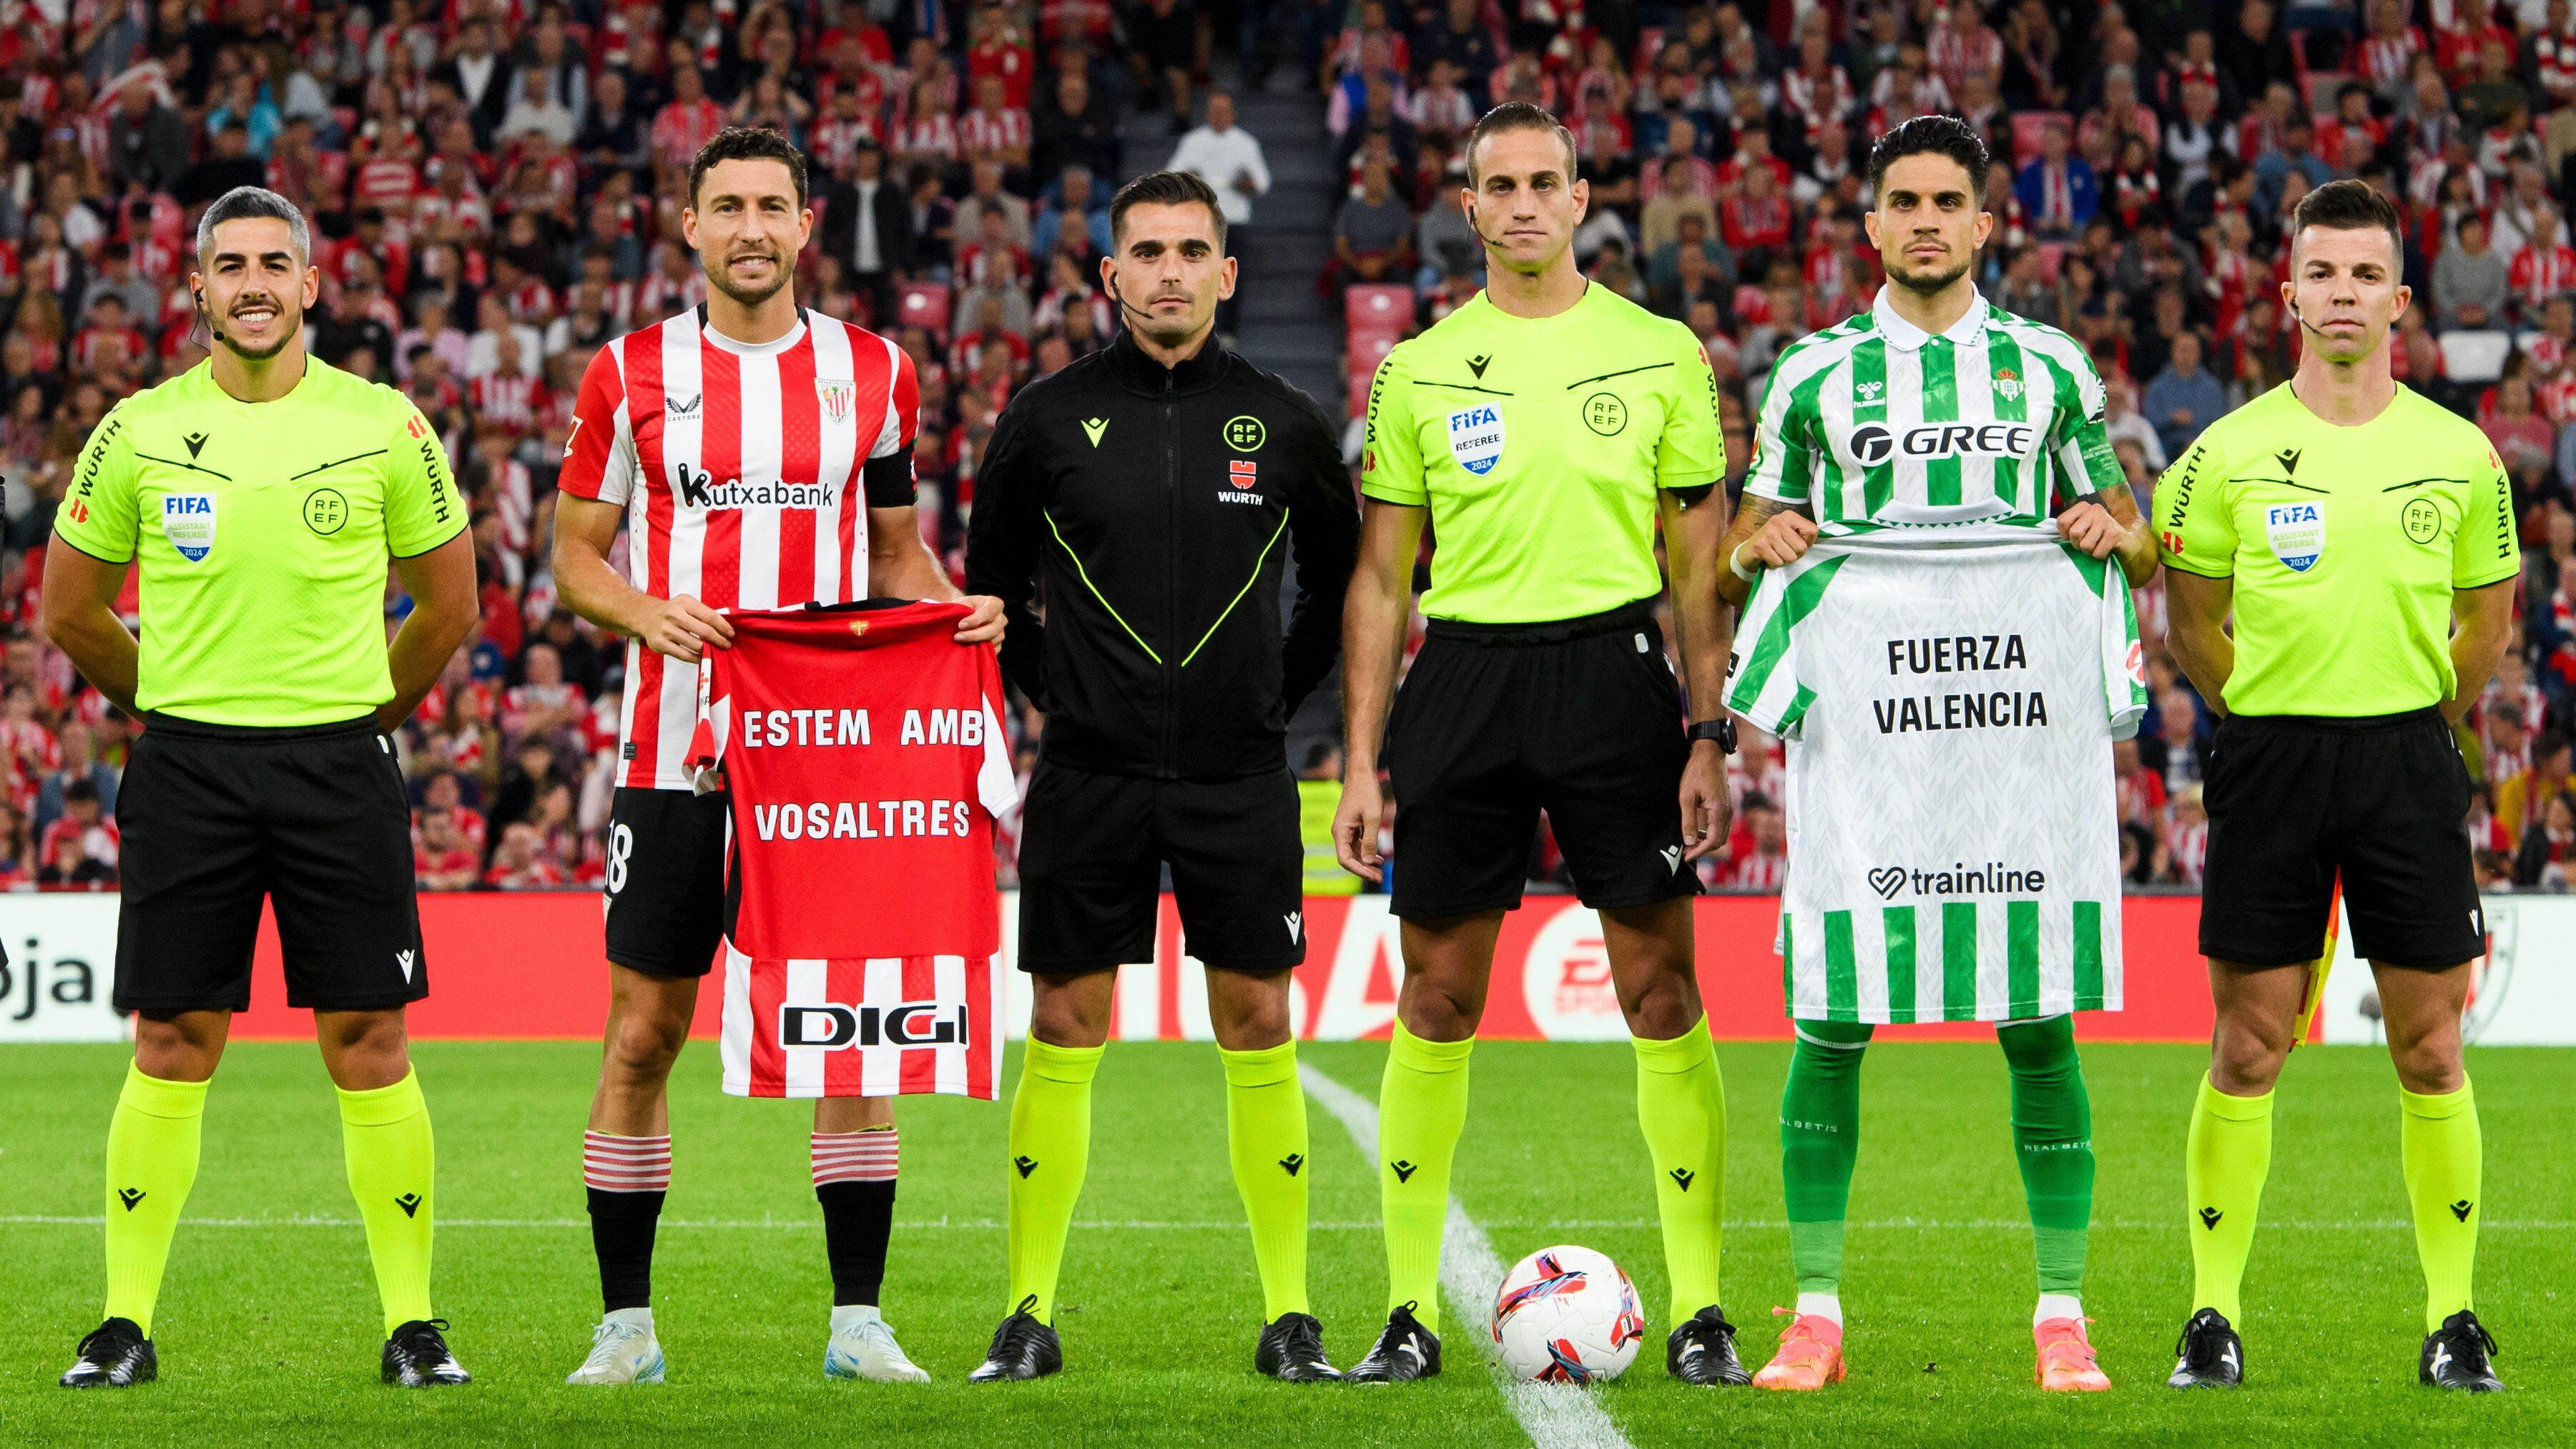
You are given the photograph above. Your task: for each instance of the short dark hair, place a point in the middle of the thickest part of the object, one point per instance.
(1165, 188)
(1519, 116)
(2350, 205)
(748, 143)
(1933, 136)
(243, 203)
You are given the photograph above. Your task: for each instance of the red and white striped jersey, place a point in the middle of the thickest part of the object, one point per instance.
(740, 469)
(863, 754)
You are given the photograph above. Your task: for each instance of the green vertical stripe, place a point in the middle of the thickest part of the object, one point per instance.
(2021, 957)
(1958, 960)
(1804, 593)
(2088, 955)
(1842, 973)
(1803, 446)
(1869, 404)
(1899, 921)
(2011, 374)
(1940, 405)
(1788, 966)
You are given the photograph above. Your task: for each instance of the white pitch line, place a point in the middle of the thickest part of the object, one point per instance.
(1553, 1415)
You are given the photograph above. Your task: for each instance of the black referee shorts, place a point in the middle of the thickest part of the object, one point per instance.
(1582, 719)
(217, 817)
(666, 885)
(2295, 800)
(1091, 848)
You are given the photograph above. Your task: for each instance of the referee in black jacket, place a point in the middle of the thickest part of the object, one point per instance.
(1149, 494)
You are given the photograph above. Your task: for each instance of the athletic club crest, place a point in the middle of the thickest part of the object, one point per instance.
(837, 395)
(2007, 384)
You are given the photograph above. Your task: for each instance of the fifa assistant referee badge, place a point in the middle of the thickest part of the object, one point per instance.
(1720, 729)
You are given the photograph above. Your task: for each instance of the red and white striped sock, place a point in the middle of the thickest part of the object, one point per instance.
(612, 1163)
(854, 1156)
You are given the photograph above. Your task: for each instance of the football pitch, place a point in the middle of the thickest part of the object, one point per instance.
(268, 1328)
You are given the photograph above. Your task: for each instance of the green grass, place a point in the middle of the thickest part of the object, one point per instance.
(268, 1328)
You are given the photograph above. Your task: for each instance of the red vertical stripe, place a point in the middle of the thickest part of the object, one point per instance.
(644, 401)
(768, 1058)
(800, 461)
(920, 1064)
(720, 453)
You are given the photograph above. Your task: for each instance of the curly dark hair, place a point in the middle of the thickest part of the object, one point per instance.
(1931, 135)
(748, 143)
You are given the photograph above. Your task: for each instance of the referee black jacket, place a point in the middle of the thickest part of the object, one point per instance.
(1151, 509)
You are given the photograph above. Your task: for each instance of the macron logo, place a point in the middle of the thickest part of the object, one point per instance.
(404, 960)
(1296, 920)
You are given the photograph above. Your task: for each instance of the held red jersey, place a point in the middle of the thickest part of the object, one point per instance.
(741, 470)
(863, 754)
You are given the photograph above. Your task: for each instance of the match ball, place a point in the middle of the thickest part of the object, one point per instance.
(1567, 1315)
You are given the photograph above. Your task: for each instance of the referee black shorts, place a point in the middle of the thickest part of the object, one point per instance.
(666, 885)
(1091, 851)
(2383, 801)
(314, 819)
(1582, 719)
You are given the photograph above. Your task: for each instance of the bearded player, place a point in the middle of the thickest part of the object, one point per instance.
(760, 457)
(1931, 350)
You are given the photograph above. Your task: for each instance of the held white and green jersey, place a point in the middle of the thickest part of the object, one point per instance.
(1875, 423)
(1948, 702)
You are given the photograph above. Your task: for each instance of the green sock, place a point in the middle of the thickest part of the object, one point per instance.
(2052, 1124)
(1819, 1140)
(1681, 1104)
(151, 1164)
(2229, 1155)
(1050, 1151)
(2443, 1151)
(1421, 1109)
(393, 1168)
(1265, 1135)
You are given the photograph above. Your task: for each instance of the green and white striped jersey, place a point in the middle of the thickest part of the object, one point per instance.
(1875, 423)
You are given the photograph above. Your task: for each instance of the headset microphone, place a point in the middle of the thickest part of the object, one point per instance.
(2301, 318)
(207, 316)
(1123, 302)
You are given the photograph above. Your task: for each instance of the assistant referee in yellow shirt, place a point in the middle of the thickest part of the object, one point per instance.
(261, 495)
(2347, 521)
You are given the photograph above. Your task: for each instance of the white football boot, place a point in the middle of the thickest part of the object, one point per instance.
(863, 1347)
(623, 1350)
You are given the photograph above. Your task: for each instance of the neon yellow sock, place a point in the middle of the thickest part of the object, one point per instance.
(393, 1173)
(151, 1164)
(1050, 1152)
(2443, 1152)
(2229, 1155)
(1681, 1104)
(1265, 1134)
(1421, 1109)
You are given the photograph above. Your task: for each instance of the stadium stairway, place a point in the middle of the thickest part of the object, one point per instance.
(1282, 325)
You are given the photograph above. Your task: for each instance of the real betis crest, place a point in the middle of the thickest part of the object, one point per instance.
(2007, 384)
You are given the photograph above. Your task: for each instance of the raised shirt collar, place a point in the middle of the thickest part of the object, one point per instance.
(1968, 331)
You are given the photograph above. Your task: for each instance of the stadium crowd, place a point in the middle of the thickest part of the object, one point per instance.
(495, 188)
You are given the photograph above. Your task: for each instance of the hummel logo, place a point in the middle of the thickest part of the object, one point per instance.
(1295, 919)
(404, 960)
(2462, 1209)
(1684, 1176)
(1026, 1165)
(1292, 1162)
(2289, 459)
(1404, 1170)
(1672, 855)
(1868, 391)
(409, 1202)
(195, 442)
(2209, 1217)
(679, 409)
(1092, 428)
(1477, 365)
(129, 1196)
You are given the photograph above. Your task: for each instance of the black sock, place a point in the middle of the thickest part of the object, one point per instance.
(858, 1217)
(621, 1232)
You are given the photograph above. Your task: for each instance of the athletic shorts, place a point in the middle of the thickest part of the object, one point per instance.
(666, 880)
(217, 818)
(1582, 719)
(1091, 848)
(2383, 801)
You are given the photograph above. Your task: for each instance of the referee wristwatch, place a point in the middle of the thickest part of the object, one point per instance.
(1720, 729)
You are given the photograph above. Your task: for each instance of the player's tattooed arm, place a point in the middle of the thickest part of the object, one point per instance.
(1766, 534)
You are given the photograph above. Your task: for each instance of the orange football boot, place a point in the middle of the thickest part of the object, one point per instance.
(2066, 1363)
(1810, 1356)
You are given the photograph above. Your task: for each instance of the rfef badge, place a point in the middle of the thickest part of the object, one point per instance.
(2297, 533)
(188, 521)
(1476, 438)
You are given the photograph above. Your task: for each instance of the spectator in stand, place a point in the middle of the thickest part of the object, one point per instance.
(1373, 237)
(2058, 191)
(2542, 862)
(17, 850)
(77, 748)
(2520, 801)
(2183, 398)
(79, 850)
(442, 859)
(1763, 863)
